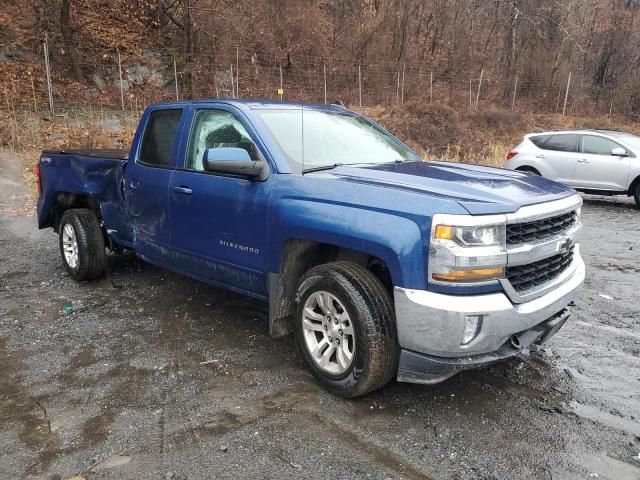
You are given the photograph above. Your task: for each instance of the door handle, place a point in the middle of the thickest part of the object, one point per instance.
(583, 160)
(183, 190)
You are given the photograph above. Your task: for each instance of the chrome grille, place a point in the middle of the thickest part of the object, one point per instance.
(537, 230)
(526, 277)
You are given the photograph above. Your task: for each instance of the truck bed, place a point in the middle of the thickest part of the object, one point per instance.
(95, 175)
(103, 153)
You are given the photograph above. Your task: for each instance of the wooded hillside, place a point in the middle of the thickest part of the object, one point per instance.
(385, 51)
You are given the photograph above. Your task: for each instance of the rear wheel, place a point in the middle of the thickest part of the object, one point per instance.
(82, 244)
(636, 195)
(345, 328)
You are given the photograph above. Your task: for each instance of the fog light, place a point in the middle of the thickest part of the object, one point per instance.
(472, 325)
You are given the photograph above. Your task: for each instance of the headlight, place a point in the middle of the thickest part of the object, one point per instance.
(467, 250)
(473, 236)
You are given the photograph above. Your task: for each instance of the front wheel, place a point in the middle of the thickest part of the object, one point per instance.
(636, 195)
(82, 244)
(345, 328)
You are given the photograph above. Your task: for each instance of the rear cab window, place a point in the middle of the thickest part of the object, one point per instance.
(562, 143)
(159, 137)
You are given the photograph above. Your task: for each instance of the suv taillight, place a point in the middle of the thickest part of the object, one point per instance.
(511, 154)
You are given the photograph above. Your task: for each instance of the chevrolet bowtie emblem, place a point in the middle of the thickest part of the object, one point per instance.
(564, 245)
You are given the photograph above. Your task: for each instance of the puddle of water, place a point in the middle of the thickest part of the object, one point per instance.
(607, 467)
(97, 429)
(111, 462)
(607, 419)
(609, 328)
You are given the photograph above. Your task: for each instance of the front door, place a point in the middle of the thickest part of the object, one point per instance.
(599, 170)
(218, 221)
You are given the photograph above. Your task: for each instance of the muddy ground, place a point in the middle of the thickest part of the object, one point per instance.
(152, 375)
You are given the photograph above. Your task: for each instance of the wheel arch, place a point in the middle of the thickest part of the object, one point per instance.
(300, 255)
(633, 185)
(68, 200)
(528, 168)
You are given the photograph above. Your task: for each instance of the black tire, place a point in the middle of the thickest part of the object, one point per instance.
(90, 244)
(636, 195)
(369, 306)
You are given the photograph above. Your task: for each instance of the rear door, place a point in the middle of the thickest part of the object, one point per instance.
(146, 184)
(599, 170)
(560, 156)
(219, 222)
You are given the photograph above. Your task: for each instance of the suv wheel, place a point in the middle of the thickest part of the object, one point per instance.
(636, 195)
(345, 328)
(82, 244)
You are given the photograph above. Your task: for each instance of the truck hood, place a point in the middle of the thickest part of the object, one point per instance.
(480, 190)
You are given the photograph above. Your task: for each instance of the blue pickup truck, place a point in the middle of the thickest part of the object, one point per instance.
(380, 264)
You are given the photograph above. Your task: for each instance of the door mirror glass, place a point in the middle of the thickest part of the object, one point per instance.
(619, 152)
(226, 154)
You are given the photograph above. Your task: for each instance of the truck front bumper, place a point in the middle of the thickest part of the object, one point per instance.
(431, 327)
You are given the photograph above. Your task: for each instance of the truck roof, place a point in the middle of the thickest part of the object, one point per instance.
(254, 104)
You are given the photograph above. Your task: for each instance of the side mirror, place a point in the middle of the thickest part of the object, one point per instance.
(619, 152)
(234, 161)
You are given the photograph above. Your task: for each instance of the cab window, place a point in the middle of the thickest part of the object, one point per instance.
(216, 129)
(159, 137)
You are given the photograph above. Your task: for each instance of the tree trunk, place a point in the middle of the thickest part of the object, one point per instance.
(67, 37)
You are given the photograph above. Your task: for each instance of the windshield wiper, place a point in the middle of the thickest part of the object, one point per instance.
(334, 165)
(322, 167)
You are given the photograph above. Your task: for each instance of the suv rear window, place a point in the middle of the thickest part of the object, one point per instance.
(539, 140)
(562, 143)
(159, 137)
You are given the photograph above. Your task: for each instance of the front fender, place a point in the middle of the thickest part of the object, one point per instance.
(394, 239)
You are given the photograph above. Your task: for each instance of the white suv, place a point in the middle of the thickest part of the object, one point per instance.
(592, 161)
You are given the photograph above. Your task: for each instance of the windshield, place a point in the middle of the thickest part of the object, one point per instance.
(313, 139)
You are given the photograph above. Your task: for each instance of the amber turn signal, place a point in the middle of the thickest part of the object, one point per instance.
(474, 275)
(444, 232)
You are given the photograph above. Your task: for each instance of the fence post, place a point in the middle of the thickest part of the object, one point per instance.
(281, 87)
(515, 88)
(611, 105)
(48, 71)
(402, 85)
(175, 76)
(470, 94)
(237, 72)
(35, 102)
(431, 88)
(324, 69)
(566, 95)
(359, 86)
(121, 83)
(233, 88)
(479, 86)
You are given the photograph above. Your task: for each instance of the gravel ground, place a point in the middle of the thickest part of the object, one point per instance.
(152, 375)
